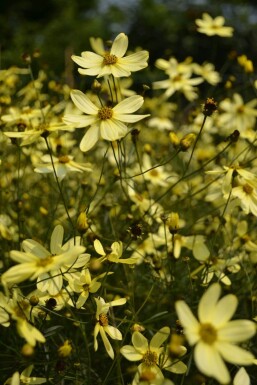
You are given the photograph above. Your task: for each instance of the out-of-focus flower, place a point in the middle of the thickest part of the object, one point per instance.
(65, 350)
(102, 324)
(105, 122)
(115, 254)
(214, 335)
(63, 165)
(207, 71)
(246, 63)
(25, 378)
(18, 309)
(37, 262)
(237, 115)
(210, 27)
(112, 62)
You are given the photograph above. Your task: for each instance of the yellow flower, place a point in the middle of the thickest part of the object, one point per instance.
(210, 27)
(152, 354)
(104, 121)
(65, 350)
(24, 378)
(214, 335)
(37, 262)
(111, 62)
(102, 324)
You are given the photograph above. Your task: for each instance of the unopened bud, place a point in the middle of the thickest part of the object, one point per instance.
(209, 107)
(187, 141)
(27, 350)
(174, 139)
(82, 223)
(33, 300)
(173, 223)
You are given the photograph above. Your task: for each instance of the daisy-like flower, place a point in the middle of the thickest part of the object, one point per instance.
(102, 324)
(152, 354)
(37, 262)
(247, 196)
(238, 115)
(115, 254)
(214, 335)
(18, 309)
(210, 27)
(105, 122)
(63, 165)
(111, 62)
(84, 285)
(25, 378)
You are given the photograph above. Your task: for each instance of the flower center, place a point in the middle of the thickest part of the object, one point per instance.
(109, 59)
(64, 159)
(208, 333)
(247, 189)
(44, 261)
(150, 358)
(103, 319)
(105, 113)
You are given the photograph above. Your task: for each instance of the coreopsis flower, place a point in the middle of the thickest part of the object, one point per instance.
(247, 196)
(25, 378)
(102, 324)
(115, 254)
(63, 165)
(18, 309)
(152, 354)
(36, 123)
(104, 121)
(207, 71)
(36, 262)
(214, 335)
(66, 349)
(210, 27)
(238, 115)
(84, 284)
(111, 62)
(179, 82)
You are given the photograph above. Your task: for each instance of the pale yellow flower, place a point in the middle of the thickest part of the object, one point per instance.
(214, 335)
(111, 62)
(108, 123)
(63, 165)
(102, 324)
(25, 378)
(152, 354)
(210, 27)
(36, 262)
(115, 254)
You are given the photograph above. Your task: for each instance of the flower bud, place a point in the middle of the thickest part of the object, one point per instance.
(187, 141)
(82, 223)
(173, 223)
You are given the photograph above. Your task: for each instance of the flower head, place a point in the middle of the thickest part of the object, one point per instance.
(111, 62)
(102, 324)
(214, 335)
(152, 354)
(106, 122)
(210, 27)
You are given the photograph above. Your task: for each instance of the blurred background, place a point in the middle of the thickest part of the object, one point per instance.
(52, 30)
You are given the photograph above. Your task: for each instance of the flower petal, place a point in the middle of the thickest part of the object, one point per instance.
(210, 363)
(107, 345)
(130, 353)
(234, 354)
(83, 103)
(237, 331)
(56, 240)
(129, 105)
(112, 129)
(140, 342)
(225, 309)
(120, 45)
(207, 305)
(188, 321)
(159, 337)
(90, 138)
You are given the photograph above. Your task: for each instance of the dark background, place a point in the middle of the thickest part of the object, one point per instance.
(58, 28)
